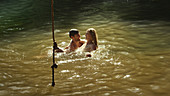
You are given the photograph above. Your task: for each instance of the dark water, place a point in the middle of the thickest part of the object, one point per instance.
(132, 59)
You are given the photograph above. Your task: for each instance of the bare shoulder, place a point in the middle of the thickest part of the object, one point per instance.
(82, 42)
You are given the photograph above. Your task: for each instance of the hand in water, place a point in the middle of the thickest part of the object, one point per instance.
(59, 50)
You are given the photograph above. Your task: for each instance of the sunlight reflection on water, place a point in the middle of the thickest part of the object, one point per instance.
(132, 58)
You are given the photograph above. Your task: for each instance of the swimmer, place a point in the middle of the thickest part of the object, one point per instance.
(92, 39)
(75, 41)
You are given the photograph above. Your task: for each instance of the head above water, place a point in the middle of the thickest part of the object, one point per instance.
(72, 32)
(91, 34)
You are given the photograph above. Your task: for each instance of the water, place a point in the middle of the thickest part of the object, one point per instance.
(132, 59)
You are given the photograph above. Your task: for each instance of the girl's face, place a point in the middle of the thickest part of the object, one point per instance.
(88, 36)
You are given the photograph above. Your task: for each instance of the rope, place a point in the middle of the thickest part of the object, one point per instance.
(52, 16)
(54, 43)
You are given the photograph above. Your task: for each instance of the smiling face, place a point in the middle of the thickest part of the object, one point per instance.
(88, 36)
(91, 36)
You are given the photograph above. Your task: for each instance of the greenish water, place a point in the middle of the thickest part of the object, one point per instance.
(132, 59)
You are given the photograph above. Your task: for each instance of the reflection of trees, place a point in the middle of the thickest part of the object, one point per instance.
(17, 15)
(67, 11)
(22, 14)
(144, 9)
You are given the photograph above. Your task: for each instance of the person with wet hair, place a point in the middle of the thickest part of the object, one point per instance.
(92, 40)
(75, 41)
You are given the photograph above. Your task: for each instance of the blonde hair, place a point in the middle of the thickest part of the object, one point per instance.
(93, 33)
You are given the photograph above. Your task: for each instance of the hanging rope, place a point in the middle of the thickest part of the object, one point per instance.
(52, 17)
(54, 43)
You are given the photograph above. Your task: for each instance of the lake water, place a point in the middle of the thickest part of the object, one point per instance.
(132, 58)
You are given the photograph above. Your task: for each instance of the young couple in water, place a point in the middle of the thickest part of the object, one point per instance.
(76, 42)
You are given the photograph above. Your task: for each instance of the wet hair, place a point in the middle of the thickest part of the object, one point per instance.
(72, 32)
(94, 36)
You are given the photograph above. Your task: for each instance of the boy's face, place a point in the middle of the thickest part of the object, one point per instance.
(76, 37)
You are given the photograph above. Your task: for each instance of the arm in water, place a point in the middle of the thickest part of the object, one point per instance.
(71, 48)
(57, 49)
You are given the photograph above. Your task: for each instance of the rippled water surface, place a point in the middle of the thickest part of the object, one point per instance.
(132, 58)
